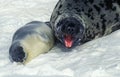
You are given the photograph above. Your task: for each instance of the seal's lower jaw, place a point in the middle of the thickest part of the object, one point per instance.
(68, 44)
(71, 43)
(68, 41)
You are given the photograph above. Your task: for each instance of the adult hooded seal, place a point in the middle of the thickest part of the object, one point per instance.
(78, 21)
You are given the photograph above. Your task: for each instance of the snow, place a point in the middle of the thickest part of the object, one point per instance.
(97, 58)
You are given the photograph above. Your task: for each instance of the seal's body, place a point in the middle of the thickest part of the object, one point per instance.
(79, 21)
(31, 40)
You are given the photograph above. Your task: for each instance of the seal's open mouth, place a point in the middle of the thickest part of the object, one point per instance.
(68, 41)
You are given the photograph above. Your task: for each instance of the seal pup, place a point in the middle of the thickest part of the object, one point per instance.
(30, 41)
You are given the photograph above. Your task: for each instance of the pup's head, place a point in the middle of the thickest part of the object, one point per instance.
(69, 31)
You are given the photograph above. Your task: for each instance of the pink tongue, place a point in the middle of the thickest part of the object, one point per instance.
(68, 41)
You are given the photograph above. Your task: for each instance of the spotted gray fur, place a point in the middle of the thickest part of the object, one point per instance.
(99, 17)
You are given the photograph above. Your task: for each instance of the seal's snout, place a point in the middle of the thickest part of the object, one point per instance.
(16, 54)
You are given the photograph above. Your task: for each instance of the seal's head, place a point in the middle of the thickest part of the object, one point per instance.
(69, 31)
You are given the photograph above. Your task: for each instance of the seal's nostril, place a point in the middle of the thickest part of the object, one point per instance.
(69, 29)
